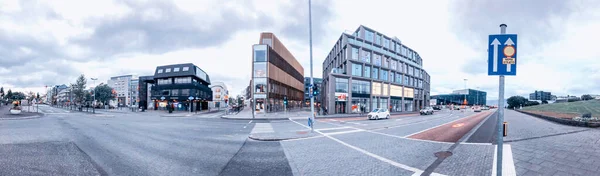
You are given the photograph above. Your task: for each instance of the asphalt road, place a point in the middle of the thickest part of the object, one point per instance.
(118, 143)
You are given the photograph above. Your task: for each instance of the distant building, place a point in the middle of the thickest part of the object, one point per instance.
(318, 82)
(125, 89)
(457, 97)
(540, 95)
(220, 94)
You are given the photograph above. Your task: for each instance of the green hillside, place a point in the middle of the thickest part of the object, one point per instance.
(578, 107)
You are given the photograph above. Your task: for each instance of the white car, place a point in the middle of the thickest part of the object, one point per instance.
(379, 113)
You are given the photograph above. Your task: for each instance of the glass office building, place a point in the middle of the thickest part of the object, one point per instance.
(367, 70)
(457, 97)
(276, 75)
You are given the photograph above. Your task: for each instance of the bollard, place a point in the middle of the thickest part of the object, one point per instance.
(505, 126)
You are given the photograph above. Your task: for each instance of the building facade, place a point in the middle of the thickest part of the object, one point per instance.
(367, 70)
(319, 83)
(124, 89)
(182, 86)
(276, 75)
(220, 94)
(540, 95)
(457, 97)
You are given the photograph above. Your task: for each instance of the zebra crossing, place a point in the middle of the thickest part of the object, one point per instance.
(262, 128)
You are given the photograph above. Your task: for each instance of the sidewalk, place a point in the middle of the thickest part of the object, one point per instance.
(5, 113)
(246, 114)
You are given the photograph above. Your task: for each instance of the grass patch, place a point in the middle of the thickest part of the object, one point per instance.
(579, 107)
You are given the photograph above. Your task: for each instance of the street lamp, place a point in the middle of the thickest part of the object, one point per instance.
(94, 102)
(478, 96)
(467, 92)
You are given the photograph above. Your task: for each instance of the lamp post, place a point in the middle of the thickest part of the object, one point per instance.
(94, 102)
(467, 92)
(478, 96)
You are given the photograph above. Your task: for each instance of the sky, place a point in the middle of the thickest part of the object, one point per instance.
(53, 42)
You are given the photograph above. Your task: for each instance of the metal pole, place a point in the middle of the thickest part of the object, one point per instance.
(312, 82)
(500, 136)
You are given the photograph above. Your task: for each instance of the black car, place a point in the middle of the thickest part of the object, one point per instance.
(437, 108)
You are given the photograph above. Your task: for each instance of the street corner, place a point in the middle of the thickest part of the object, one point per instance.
(295, 135)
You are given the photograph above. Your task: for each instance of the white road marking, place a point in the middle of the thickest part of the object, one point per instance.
(508, 165)
(262, 128)
(398, 119)
(436, 126)
(469, 143)
(298, 139)
(336, 128)
(343, 132)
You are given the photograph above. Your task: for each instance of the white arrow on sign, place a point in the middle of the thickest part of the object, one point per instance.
(495, 64)
(508, 43)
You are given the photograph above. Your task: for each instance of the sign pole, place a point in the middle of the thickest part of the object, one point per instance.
(312, 99)
(500, 136)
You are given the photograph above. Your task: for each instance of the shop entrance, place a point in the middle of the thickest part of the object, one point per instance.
(340, 107)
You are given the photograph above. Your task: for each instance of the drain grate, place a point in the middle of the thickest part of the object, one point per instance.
(443, 154)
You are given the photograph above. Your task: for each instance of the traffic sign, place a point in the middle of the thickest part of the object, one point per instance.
(502, 54)
(190, 98)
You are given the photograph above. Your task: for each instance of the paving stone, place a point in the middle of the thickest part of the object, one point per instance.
(548, 171)
(536, 161)
(532, 173)
(548, 164)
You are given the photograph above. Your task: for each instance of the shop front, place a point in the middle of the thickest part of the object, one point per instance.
(340, 102)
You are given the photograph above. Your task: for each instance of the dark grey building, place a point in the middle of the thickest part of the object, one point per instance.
(182, 85)
(457, 97)
(367, 70)
(318, 82)
(540, 95)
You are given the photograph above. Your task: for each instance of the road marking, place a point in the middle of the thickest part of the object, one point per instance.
(344, 132)
(298, 139)
(508, 165)
(468, 143)
(262, 128)
(380, 158)
(400, 137)
(336, 128)
(436, 126)
(398, 119)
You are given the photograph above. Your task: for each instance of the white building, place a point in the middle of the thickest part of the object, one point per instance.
(126, 88)
(220, 94)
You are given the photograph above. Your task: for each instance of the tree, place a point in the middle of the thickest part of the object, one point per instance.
(8, 94)
(586, 97)
(544, 102)
(1, 92)
(78, 88)
(17, 96)
(104, 93)
(88, 96)
(516, 101)
(531, 103)
(38, 96)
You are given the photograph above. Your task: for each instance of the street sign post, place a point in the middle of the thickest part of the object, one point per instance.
(502, 61)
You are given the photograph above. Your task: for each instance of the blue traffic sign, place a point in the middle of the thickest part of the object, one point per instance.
(502, 54)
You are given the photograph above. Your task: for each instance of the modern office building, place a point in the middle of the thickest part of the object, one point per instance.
(457, 97)
(318, 82)
(367, 70)
(540, 95)
(184, 86)
(220, 94)
(276, 75)
(125, 86)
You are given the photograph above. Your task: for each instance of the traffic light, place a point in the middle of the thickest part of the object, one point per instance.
(315, 90)
(285, 100)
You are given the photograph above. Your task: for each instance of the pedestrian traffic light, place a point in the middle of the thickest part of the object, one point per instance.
(285, 100)
(315, 90)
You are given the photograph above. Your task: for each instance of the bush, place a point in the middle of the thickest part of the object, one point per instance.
(586, 115)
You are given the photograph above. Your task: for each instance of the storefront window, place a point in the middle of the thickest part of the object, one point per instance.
(376, 89)
(361, 87)
(260, 85)
(408, 105)
(383, 103)
(395, 91)
(409, 92)
(396, 105)
(260, 69)
(341, 85)
(385, 91)
(356, 70)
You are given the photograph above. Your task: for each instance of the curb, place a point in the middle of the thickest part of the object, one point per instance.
(562, 121)
(354, 116)
(259, 118)
(23, 118)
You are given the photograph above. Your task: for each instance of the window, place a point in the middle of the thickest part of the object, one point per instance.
(378, 39)
(409, 92)
(163, 81)
(260, 69)
(341, 85)
(406, 80)
(366, 56)
(185, 92)
(354, 53)
(385, 90)
(395, 91)
(410, 71)
(368, 36)
(361, 87)
(159, 71)
(168, 70)
(391, 78)
(260, 85)
(367, 71)
(175, 92)
(163, 93)
(386, 62)
(186, 68)
(384, 75)
(356, 70)
(375, 73)
(398, 48)
(386, 43)
(399, 78)
(183, 80)
(393, 64)
(176, 69)
(376, 88)
(260, 53)
(377, 60)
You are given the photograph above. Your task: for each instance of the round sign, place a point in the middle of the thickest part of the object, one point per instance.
(509, 51)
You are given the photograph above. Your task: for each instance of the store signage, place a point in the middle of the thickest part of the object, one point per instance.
(341, 96)
(260, 95)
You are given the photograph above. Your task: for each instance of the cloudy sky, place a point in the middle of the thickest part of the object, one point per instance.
(52, 42)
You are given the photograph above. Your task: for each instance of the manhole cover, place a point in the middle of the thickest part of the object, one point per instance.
(444, 154)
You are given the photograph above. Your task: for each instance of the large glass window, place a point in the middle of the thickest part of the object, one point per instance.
(159, 71)
(367, 71)
(378, 39)
(260, 85)
(377, 59)
(183, 80)
(384, 75)
(260, 69)
(186, 68)
(163, 81)
(406, 80)
(167, 70)
(395, 91)
(393, 64)
(399, 78)
(376, 88)
(185, 92)
(375, 73)
(386, 62)
(366, 56)
(409, 92)
(175, 92)
(368, 36)
(341, 85)
(260, 53)
(176, 69)
(385, 89)
(361, 87)
(356, 70)
(354, 53)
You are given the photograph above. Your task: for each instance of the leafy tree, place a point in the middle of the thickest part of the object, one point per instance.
(88, 96)
(544, 102)
(1, 92)
(18, 96)
(104, 93)
(531, 103)
(78, 88)
(38, 96)
(516, 101)
(9, 94)
(586, 97)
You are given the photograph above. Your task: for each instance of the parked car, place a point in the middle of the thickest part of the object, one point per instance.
(456, 108)
(379, 113)
(485, 108)
(477, 109)
(426, 111)
(437, 108)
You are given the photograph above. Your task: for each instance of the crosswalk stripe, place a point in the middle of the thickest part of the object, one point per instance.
(262, 128)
